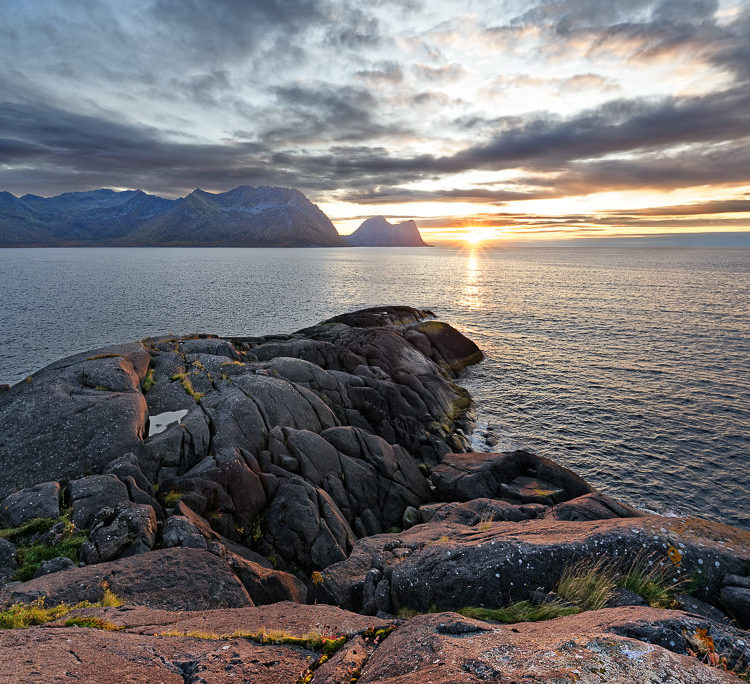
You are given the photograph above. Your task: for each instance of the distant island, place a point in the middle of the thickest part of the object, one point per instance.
(243, 217)
(378, 232)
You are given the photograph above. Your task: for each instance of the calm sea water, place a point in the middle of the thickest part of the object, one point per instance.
(629, 365)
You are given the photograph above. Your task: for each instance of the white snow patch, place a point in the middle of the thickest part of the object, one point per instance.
(162, 421)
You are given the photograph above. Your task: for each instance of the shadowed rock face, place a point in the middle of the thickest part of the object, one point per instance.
(330, 465)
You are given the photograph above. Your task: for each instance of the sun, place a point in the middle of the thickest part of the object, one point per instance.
(476, 236)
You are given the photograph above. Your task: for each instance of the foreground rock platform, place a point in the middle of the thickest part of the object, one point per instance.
(617, 645)
(323, 482)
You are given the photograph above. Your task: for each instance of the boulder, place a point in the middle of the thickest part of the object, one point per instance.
(125, 530)
(72, 417)
(737, 602)
(304, 525)
(91, 494)
(451, 565)
(54, 565)
(171, 579)
(516, 476)
(39, 501)
(594, 506)
(127, 466)
(179, 531)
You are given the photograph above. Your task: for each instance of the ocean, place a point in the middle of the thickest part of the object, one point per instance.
(630, 365)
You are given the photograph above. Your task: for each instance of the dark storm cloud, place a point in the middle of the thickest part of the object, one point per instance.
(342, 133)
(318, 111)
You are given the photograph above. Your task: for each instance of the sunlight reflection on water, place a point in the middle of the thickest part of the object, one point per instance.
(627, 365)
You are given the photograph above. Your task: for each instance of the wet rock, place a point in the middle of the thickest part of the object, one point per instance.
(39, 501)
(54, 565)
(91, 494)
(171, 579)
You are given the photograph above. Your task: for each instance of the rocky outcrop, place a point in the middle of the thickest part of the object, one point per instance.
(73, 417)
(171, 579)
(451, 564)
(272, 644)
(331, 465)
(618, 645)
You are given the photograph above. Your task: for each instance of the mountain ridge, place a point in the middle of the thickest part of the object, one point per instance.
(245, 216)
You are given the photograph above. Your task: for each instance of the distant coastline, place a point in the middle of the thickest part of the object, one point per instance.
(243, 217)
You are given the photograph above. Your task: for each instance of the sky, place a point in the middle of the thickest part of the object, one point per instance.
(481, 120)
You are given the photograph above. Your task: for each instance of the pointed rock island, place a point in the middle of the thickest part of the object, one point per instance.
(377, 231)
(307, 508)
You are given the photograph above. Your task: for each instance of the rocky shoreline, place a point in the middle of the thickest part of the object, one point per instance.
(306, 507)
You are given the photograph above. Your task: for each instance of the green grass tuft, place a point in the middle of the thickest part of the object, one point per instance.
(34, 526)
(148, 381)
(30, 558)
(588, 584)
(92, 622)
(523, 611)
(171, 498)
(652, 579)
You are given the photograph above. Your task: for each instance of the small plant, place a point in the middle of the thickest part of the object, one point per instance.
(406, 613)
(485, 520)
(171, 498)
(652, 579)
(21, 615)
(523, 611)
(91, 621)
(148, 381)
(30, 558)
(110, 599)
(317, 578)
(30, 527)
(588, 584)
(188, 387)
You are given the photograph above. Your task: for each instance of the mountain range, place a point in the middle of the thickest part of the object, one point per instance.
(243, 217)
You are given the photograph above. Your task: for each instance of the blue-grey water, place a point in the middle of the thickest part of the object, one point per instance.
(629, 365)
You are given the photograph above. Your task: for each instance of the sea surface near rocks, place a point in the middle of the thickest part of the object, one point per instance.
(629, 365)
